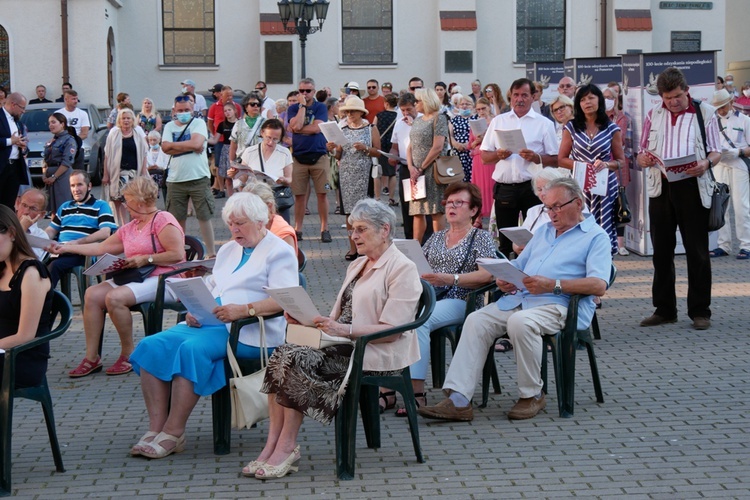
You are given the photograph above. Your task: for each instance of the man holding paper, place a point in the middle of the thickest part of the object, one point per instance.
(570, 255)
(680, 127)
(514, 168)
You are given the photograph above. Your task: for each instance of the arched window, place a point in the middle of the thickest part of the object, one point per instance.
(4, 59)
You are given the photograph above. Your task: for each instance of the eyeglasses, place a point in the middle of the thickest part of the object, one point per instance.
(272, 139)
(558, 109)
(260, 88)
(29, 208)
(371, 88)
(456, 203)
(305, 91)
(254, 104)
(22, 108)
(182, 98)
(358, 230)
(557, 208)
(415, 88)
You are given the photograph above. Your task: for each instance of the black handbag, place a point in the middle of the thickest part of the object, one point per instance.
(282, 194)
(136, 274)
(719, 202)
(623, 215)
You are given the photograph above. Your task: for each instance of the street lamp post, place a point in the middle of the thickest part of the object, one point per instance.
(302, 12)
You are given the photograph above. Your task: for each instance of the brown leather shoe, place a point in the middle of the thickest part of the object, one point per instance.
(656, 320)
(701, 323)
(446, 410)
(527, 408)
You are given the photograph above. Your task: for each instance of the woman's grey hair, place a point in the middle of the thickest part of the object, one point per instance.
(281, 103)
(548, 174)
(154, 133)
(245, 205)
(262, 190)
(375, 213)
(568, 184)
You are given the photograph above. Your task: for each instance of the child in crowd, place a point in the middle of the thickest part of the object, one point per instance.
(157, 160)
(224, 132)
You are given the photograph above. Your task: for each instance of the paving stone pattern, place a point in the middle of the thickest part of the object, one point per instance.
(673, 425)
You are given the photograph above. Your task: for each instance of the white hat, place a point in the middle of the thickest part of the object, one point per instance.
(721, 97)
(352, 86)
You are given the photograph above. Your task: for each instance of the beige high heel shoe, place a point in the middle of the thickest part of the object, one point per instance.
(278, 471)
(252, 467)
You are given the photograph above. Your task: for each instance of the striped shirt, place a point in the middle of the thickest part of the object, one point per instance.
(74, 220)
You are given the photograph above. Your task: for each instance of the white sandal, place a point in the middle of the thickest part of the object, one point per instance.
(135, 450)
(252, 467)
(161, 452)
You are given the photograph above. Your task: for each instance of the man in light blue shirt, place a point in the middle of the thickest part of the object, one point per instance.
(567, 256)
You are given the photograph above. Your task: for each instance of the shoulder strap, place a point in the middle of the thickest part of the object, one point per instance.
(701, 124)
(723, 131)
(179, 137)
(260, 157)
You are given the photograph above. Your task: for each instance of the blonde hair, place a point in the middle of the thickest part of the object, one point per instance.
(567, 101)
(143, 189)
(123, 112)
(153, 107)
(430, 100)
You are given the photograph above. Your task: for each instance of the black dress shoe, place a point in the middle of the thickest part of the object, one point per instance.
(656, 320)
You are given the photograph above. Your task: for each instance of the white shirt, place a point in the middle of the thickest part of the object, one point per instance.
(13, 130)
(37, 231)
(269, 105)
(77, 118)
(200, 103)
(273, 166)
(539, 134)
(400, 135)
(737, 127)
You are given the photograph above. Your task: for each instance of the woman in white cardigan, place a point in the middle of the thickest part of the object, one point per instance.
(187, 361)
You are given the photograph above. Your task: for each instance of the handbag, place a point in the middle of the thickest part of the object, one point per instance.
(136, 274)
(719, 202)
(624, 215)
(249, 405)
(282, 194)
(448, 168)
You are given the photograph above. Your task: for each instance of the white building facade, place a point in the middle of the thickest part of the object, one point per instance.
(147, 47)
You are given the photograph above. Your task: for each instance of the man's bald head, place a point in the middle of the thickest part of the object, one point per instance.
(567, 87)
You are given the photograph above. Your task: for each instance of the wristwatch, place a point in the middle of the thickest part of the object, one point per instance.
(250, 310)
(455, 280)
(710, 163)
(150, 259)
(558, 289)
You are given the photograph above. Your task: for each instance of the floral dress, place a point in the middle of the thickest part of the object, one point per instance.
(422, 135)
(355, 167)
(461, 134)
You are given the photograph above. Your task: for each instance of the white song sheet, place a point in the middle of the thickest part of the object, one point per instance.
(296, 302)
(196, 297)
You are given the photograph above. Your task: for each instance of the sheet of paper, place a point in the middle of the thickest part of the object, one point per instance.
(392, 157)
(511, 140)
(2, 351)
(590, 180)
(504, 270)
(518, 235)
(413, 251)
(107, 263)
(478, 126)
(37, 241)
(196, 297)
(674, 168)
(207, 264)
(419, 192)
(296, 302)
(333, 133)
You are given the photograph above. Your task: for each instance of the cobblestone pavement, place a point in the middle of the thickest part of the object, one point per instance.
(674, 423)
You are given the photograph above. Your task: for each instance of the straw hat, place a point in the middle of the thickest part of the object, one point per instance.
(721, 97)
(354, 103)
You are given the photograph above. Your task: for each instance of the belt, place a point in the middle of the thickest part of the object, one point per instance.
(15, 160)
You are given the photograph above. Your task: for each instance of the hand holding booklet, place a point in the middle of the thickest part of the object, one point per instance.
(107, 263)
(518, 235)
(589, 179)
(333, 133)
(511, 140)
(503, 270)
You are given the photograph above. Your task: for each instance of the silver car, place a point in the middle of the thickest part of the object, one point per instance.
(36, 119)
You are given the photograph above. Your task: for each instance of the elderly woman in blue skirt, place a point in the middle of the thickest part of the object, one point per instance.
(187, 361)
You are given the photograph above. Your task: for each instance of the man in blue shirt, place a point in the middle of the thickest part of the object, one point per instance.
(84, 219)
(569, 255)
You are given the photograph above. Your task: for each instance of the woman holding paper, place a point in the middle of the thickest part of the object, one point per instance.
(481, 173)
(152, 237)
(187, 361)
(355, 159)
(381, 290)
(428, 136)
(452, 255)
(590, 138)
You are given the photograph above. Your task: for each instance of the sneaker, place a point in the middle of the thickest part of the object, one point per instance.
(701, 323)
(325, 236)
(656, 320)
(527, 408)
(446, 410)
(623, 251)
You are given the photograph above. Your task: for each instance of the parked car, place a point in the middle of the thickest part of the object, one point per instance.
(36, 119)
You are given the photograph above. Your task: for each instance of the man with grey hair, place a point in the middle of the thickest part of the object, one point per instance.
(310, 156)
(568, 255)
(567, 87)
(12, 145)
(30, 208)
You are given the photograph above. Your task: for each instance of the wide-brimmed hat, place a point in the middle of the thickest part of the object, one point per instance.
(721, 97)
(354, 103)
(352, 86)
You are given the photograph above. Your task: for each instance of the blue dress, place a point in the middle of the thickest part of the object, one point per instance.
(588, 150)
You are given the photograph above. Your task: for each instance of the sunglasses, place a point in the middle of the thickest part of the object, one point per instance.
(371, 88)
(565, 85)
(254, 104)
(182, 98)
(487, 90)
(414, 88)
(260, 88)
(305, 91)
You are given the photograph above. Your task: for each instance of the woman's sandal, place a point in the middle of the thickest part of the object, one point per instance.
(401, 412)
(86, 368)
(121, 367)
(384, 398)
(392, 202)
(252, 467)
(161, 452)
(503, 345)
(278, 471)
(136, 450)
